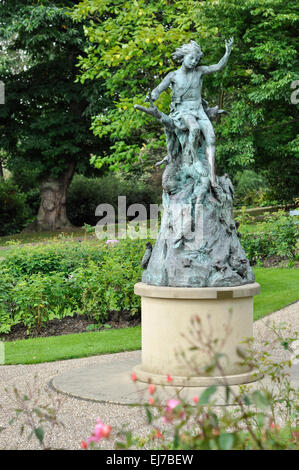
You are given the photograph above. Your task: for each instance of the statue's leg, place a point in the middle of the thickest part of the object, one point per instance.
(194, 134)
(209, 135)
(171, 143)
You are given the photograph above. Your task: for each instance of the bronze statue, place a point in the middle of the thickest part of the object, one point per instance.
(198, 243)
(188, 111)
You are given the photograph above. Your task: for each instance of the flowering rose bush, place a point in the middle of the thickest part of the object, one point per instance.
(257, 417)
(101, 431)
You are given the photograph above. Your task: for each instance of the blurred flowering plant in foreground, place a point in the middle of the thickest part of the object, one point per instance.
(262, 415)
(259, 416)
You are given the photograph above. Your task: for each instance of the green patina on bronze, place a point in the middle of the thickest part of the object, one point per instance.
(198, 244)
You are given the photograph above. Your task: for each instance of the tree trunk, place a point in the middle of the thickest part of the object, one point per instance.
(52, 211)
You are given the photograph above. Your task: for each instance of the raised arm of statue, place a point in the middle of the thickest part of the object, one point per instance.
(206, 69)
(161, 87)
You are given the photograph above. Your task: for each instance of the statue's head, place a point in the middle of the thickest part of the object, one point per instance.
(190, 54)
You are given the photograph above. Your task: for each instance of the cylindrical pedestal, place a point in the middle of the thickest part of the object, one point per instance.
(224, 316)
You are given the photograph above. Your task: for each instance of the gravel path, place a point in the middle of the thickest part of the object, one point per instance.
(288, 319)
(79, 416)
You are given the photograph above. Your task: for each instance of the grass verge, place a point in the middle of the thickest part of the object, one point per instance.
(279, 287)
(36, 237)
(54, 348)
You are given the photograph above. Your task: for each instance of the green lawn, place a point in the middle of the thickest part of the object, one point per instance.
(250, 228)
(279, 287)
(36, 237)
(54, 348)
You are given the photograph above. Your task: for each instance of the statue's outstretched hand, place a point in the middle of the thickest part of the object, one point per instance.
(229, 45)
(149, 98)
(152, 110)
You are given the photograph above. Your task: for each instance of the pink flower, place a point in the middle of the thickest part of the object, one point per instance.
(169, 412)
(195, 399)
(151, 389)
(101, 431)
(151, 401)
(158, 434)
(83, 445)
(108, 242)
(169, 378)
(171, 404)
(133, 377)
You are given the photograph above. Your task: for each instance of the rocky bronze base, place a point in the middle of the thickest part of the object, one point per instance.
(198, 243)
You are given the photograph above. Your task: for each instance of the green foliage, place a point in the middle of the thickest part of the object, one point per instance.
(111, 288)
(64, 277)
(14, 212)
(45, 282)
(27, 181)
(130, 49)
(250, 188)
(56, 257)
(34, 300)
(36, 418)
(85, 194)
(38, 283)
(44, 124)
(131, 45)
(276, 236)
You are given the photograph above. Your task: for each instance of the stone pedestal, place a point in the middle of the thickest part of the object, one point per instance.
(224, 314)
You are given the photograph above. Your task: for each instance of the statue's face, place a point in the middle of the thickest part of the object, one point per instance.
(191, 60)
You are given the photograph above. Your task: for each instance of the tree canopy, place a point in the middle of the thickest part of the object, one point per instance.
(130, 48)
(45, 121)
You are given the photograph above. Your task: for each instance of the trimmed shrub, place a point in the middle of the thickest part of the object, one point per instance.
(58, 256)
(14, 212)
(278, 236)
(85, 194)
(250, 188)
